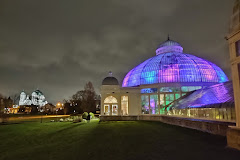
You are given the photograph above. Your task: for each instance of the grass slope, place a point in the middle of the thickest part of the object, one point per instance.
(109, 140)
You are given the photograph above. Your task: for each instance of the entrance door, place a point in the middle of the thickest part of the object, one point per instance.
(114, 109)
(106, 109)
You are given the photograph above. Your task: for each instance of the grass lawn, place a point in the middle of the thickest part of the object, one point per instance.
(109, 141)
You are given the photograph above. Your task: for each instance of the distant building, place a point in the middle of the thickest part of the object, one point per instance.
(37, 98)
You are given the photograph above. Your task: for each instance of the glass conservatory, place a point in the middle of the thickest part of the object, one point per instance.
(170, 76)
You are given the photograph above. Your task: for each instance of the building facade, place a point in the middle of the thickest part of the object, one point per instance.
(234, 46)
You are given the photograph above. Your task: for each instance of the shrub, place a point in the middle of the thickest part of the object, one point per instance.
(92, 115)
(79, 119)
(84, 115)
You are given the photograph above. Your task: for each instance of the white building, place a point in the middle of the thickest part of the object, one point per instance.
(37, 98)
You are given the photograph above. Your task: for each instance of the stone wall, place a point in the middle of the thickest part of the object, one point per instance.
(213, 127)
(233, 137)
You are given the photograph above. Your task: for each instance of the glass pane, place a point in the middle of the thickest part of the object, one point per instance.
(190, 88)
(110, 99)
(177, 96)
(168, 102)
(239, 71)
(162, 100)
(169, 89)
(145, 104)
(149, 90)
(124, 105)
(184, 89)
(171, 97)
(106, 109)
(115, 110)
(154, 104)
(238, 48)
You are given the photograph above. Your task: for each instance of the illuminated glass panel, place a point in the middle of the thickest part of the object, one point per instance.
(183, 94)
(169, 89)
(124, 105)
(174, 67)
(169, 98)
(177, 96)
(145, 104)
(110, 99)
(162, 100)
(237, 48)
(115, 110)
(149, 90)
(217, 94)
(106, 109)
(154, 104)
(190, 88)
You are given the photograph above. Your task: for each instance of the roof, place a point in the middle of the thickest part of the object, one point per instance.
(110, 81)
(171, 65)
(207, 98)
(169, 43)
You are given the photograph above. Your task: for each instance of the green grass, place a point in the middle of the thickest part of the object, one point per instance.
(109, 141)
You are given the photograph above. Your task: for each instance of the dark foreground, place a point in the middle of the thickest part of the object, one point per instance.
(109, 141)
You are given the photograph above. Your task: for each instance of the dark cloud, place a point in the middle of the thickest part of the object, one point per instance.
(57, 45)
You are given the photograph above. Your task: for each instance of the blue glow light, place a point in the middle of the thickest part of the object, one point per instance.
(217, 94)
(171, 65)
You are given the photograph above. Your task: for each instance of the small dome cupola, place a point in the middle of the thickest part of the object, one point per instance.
(110, 80)
(169, 46)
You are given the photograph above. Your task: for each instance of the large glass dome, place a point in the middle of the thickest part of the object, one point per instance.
(171, 65)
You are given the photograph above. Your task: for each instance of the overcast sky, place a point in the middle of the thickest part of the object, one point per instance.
(59, 45)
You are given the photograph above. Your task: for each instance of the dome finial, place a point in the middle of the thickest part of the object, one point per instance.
(168, 38)
(110, 73)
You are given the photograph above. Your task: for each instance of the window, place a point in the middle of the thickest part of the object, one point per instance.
(169, 89)
(124, 105)
(239, 71)
(110, 99)
(149, 90)
(237, 44)
(145, 104)
(106, 109)
(190, 88)
(114, 109)
(177, 96)
(169, 98)
(154, 104)
(162, 100)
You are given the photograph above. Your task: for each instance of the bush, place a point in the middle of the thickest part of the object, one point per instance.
(84, 115)
(79, 119)
(92, 115)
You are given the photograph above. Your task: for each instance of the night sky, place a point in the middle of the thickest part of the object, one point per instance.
(59, 45)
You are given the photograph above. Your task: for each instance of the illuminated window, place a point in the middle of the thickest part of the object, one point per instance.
(237, 48)
(145, 104)
(169, 98)
(149, 90)
(124, 105)
(110, 99)
(154, 104)
(114, 109)
(169, 89)
(190, 88)
(177, 96)
(106, 109)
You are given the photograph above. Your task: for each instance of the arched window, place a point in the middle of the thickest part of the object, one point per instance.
(110, 99)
